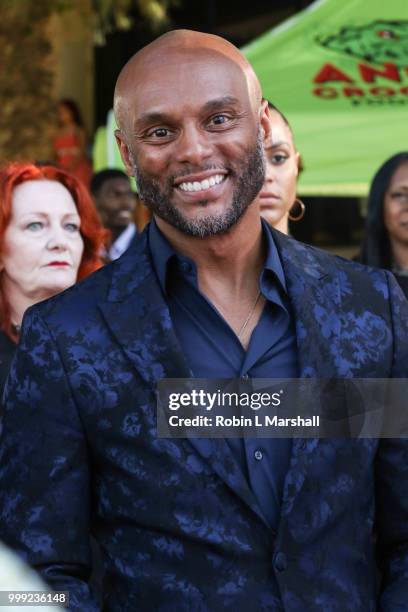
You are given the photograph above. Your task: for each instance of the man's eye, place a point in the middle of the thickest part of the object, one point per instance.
(160, 133)
(71, 227)
(219, 119)
(35, 226)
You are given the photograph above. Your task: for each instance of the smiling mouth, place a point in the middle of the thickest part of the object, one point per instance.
(125, 213)
(207, 183)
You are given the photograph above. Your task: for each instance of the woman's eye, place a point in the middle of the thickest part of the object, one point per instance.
(400, 196)
(35, 226)
(279, 158)
(72, 227)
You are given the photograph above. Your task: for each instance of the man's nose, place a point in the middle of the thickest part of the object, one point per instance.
(126, 201)
(193, 146)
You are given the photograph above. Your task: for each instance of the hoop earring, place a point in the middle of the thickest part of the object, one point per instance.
(302, 210)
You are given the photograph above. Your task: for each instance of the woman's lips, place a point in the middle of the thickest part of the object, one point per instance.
(58, 263)
(267, 195)
(269, 201)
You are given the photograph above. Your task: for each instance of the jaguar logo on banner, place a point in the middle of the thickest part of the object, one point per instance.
(379, 72)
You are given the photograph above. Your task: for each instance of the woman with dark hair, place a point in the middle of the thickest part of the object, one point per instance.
(385, 242)
(50, 237)
(277, 199)
(69, 143)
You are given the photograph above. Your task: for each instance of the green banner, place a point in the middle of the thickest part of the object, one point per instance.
(339, 72)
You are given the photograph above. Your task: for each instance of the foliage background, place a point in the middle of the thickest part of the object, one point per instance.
(27, 75)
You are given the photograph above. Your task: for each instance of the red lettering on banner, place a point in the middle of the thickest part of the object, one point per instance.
(331, 73)
(369, 74)
(404, 91)
(326, 92)
(382, 91)
(350, 92)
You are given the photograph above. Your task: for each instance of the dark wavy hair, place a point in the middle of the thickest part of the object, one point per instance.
(376, 245)
(73, 108)
(93, 234)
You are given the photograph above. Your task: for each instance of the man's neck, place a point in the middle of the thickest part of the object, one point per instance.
(228, 268)
(233, 258)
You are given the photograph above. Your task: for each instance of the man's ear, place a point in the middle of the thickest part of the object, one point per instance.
(264, 119)
(124, 152)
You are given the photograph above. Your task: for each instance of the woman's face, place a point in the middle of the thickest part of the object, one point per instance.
(396, 206)
(64, 115)
(279, 190)
(42, 247)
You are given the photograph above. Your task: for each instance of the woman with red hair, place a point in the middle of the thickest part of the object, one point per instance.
(50, 237)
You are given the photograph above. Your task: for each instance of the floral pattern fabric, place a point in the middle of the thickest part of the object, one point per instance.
(178, 525)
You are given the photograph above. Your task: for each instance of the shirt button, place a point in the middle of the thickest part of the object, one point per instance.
(245, 377)
(258, 454)
(185, 266)
(280, 561)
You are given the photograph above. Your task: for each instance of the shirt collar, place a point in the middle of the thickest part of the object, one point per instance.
(272, 262)
(122, 242)
(162, 253)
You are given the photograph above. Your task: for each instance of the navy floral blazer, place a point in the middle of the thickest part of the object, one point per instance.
(178, 525)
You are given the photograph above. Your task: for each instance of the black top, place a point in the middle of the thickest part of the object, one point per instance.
(7, 350)
(403, 283)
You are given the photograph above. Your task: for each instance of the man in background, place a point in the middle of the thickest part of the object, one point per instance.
(116, 203)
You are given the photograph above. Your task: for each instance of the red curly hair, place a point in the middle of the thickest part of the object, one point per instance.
(92, 232)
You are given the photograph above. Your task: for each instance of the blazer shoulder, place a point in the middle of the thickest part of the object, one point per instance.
(364, 280)
(318, 262)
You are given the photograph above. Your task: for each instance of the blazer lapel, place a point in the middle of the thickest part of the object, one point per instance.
(138, 316)
(314, 291)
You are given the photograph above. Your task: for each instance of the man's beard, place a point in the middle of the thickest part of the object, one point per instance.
(250, 176)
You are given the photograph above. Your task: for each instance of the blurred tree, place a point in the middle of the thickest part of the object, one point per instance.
(25, 78)
(108, 15)
(27, 74)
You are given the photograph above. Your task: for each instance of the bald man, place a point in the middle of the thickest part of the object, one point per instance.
(208, 291)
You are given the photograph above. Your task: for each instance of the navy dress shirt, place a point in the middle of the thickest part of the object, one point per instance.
(212, 350)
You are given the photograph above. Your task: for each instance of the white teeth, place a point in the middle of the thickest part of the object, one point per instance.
(205, 184)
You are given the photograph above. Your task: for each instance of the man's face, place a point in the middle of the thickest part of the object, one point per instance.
(115, 202)
(194, 142)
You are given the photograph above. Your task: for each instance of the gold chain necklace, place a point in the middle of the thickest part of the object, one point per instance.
(249, 317)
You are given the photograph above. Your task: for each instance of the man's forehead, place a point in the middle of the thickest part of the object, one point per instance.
(185, 77)
(115, 183)
(177, 60)
(186, 55)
